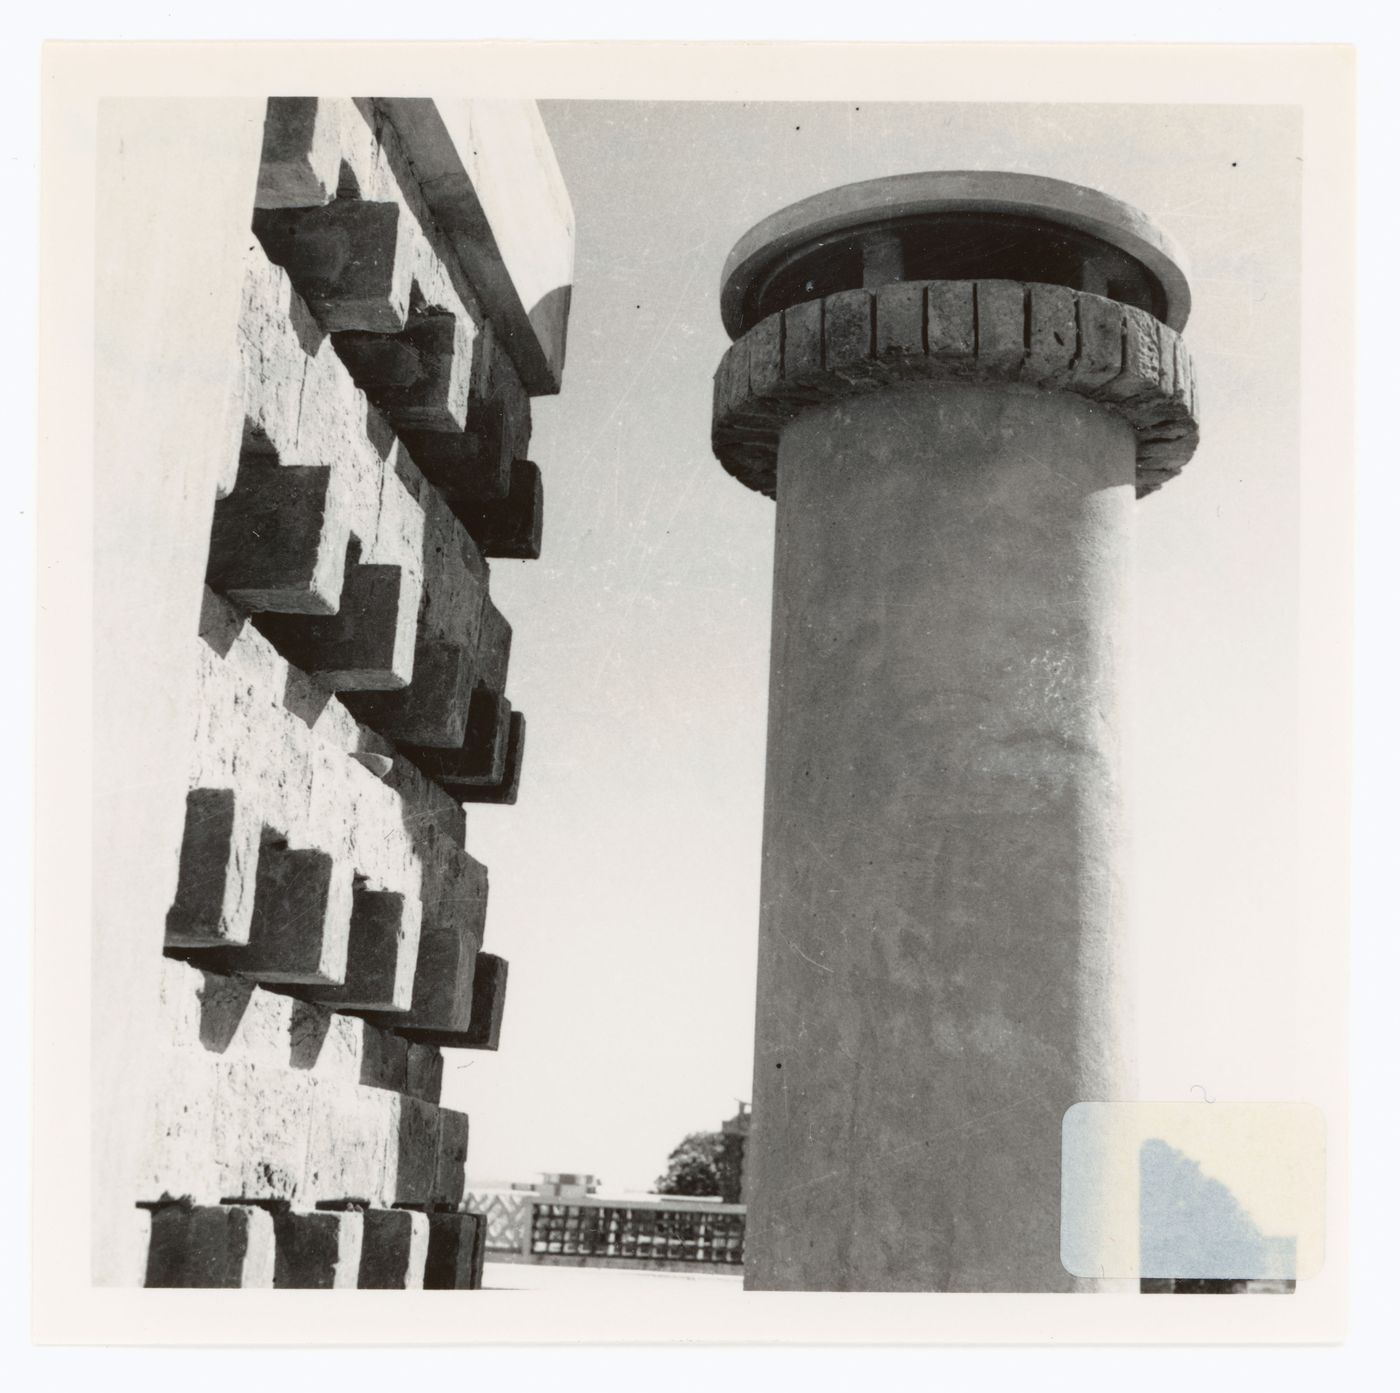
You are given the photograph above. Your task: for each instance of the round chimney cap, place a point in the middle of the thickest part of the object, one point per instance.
(853, 209)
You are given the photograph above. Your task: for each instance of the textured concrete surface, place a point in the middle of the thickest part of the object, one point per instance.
(211, 1246)
(318, 1249)
(859, 340)
(320, 871)
(489, 174)
(394, 1250)
(167, 304)
(456, 1252)
(941, 900)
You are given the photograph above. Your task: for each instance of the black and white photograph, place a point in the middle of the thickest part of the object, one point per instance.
(695, 694)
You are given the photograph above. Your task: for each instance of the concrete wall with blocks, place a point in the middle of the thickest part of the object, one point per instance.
(313, 418)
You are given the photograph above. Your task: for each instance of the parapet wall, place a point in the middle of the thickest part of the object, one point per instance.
(324, 939)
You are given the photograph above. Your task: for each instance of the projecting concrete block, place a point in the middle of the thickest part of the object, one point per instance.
(465, 466)
(456, 1252)
(301, 919)
(367, 645)
(211, 1246)
(413, 1152)
(300, 156)
(1052, 334)
(385, 1060)
(213, 903)
(512, 526)
(493, 649)
(424, 1071)
(481, 759)
(508, 787)
(344, 258)
(899, 320)
(455, 888)
(394, 1250)
(384, 931)
(421, 378)
(450, 1179)
(488, 1002)
(952, 321)
(279, 540)
(319, 1249)
(1001, 325)
(262, 1131)
(483, 1032)
(434, 707)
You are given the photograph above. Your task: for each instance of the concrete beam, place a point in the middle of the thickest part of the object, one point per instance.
(367, 644)
(279, 541)
(394, 1250)
(450, 1174)
(456, 1252)
(211, 1246)
(382, 954)
(318, 1249)
(513, 526)
(345, 259)
(489, 175)
(213, 904)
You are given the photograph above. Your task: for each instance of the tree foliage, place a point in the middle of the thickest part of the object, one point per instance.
(693, 1167)
(705, 1163)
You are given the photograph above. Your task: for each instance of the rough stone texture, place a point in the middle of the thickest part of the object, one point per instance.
(263, 1132)
(210, 1246)
(456, 1252)
(394, 1250)
(941, 898)
(1113, 355)
(351, 1135)
(318, 1249)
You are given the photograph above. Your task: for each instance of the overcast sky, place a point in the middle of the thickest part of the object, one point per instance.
(624, 884)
